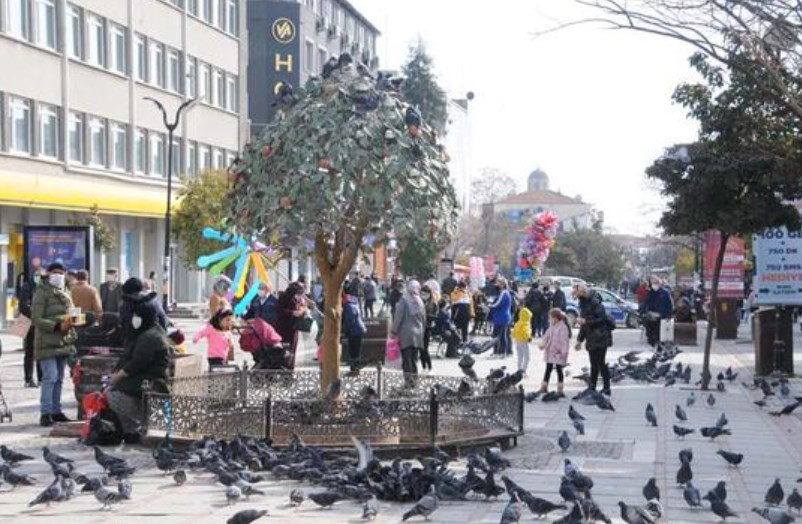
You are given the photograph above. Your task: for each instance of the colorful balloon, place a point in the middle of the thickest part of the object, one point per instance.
(536, 246)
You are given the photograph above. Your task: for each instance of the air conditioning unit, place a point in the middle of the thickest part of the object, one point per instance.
(332, 31)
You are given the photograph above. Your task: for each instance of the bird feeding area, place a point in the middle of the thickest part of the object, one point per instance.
(387, 408)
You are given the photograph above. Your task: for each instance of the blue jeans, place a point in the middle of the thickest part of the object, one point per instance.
(503, 341)
(52, 379)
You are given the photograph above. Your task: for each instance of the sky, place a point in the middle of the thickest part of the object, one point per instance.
(590, 106)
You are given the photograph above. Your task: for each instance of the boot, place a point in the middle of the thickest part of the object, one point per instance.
(544, 388)
(560, 392)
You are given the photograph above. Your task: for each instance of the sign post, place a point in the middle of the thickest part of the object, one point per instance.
(778, 271)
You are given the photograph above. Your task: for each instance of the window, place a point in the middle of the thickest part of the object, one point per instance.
(219, 89)
(206, 83)
(192, 77)
(192, 158)
(232, 17)
(232, 100)
(18, 18)
(75, 33)
(141, 58)
(219, 159)
(219, 13)
(97, 142)
(156, 154)
(309, 56)
(119, 147)
(119, 49)
(205, 158)
(176, 151)
(76, 137)
(46, 23)
(157, 64)
(48, 131)
(322, 58)
(207, 10)
(97, 40)
(174, 71)
(140, 155)
(20, 112)
(192, 7)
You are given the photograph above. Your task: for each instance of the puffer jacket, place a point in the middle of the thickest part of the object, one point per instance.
(522, 331)
(595, 332)
(51, 306)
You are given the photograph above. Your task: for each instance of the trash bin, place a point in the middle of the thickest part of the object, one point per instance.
(765, 331)
(727, 319)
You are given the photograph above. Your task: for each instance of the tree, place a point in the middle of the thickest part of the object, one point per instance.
(417, 256)
(346, 162)
(491, 186)
(202, 203)
(588, 253)
(420, 88)
(104, 235)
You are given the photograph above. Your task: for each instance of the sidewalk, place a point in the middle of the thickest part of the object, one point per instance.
(619, 451)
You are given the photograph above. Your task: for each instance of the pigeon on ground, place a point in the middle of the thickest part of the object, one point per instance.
(733, 459)
(107, 497)
(714, 432)
(16, 479)
(691, 400)
(719, 507)
(720, 491)
(775, 515)
(513, 511)
(775, 494)
(685, 455)
(297, 497)
(13, 458)
(125, 488)
(53, 493)
(579, 426)
(538, 506)
(650, 490)
(711, 400)
(651, 416)
(51, 457)
(233, 494)
(564, 441)
(681, 432)
(370, 508)
(785, 391)
(692, 496)
(567, 491)
(105, 460)
(531, 396)
(721, 388)
(495, 460)
(766, 389)
(729, 375)
(496, 373)
(67, 488)
(684, 474)
(635, 514)
(680, 414)
(424, 507)
(722, 421)
(787, 410)
(246, 516)
(180, 477)
(325, 499)
(794, 501)
(573, 414)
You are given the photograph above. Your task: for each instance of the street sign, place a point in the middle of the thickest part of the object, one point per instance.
(778, 278)
(731, 282)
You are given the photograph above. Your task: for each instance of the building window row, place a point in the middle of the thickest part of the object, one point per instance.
(222, 14)
(34, 129)
(336, 20)
(31, 20)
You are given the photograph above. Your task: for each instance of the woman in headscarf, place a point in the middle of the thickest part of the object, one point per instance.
(219, 299)
(408, 326)
(291, 307)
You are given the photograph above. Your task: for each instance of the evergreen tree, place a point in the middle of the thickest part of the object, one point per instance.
(421, 89)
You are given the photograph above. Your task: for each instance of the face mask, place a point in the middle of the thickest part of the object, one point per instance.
(262, 294)
(655, 287)
(136, 322)
(425, 296)
(56, 280)
(111, 279)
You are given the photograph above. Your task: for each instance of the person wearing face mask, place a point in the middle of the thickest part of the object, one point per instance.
(54, 340)
(133, 291)
(219, 299)
(594, 331)
(111, 292)
(264, 306)
(659, 307)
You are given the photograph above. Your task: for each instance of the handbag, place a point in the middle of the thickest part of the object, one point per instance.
(393, 349)
(21, 326)
(303, 324)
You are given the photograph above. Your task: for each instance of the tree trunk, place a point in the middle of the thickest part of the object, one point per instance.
(332, 292)
(712, 317)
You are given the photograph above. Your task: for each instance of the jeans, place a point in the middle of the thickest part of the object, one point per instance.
(52, 379)
(503, 342)
(538, 327)
(462, 324)
(522, 348)
(598, 363)
(28, 361)
(547, 374)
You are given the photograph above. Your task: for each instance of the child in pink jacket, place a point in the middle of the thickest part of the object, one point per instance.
(218, 337)
(555, 346)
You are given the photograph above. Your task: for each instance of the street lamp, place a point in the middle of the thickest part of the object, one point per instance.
(171, 126)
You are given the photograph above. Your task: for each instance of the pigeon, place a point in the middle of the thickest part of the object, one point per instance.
(691, 400)
(551, 396)
(569, 469)
(651, 416)
(787, 410)
(766, 389)
(711, 400)
(233, 494)
(775, 494)
(107, 461)
(329, 67)
(785, 391)
(335, 388)
(538, 506)
(685, 455)
(531, 396)
(567, 491)
(424, 507)
(734, 459)
(564, 441)
(635, 514)
(67, 488)
(107, 497)
(573, 414)
(497, 373)
(513, 511)
(654, 508)
(794, 501)
(495, 460)
(125, 488)
(722, 421)
(325, 499)
(719, 507)
(774, 515)
(684, 474)
(579, 426)
(12, 457)
(681, 432)
(93, 483)
(246, 516)
(651, 491)
(16, 479)
(720, 376)
(370, 508)
(692, 496)
(297, 497)
(53, 493)
(721, 388)
(720, 491)
(413, 118)
(714, 432)
(680, 414)
(180, 477)
(51, 457)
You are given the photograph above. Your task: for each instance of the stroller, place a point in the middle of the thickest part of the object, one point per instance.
(262, 341)
(445, 334)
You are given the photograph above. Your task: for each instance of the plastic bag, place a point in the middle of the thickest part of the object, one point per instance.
(393, 350)
(666, 330)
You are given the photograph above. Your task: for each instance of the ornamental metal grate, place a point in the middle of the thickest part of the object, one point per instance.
(194, 417)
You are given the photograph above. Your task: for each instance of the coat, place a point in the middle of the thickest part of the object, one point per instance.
(501, 310)
(369, 287)
(555, 344)
(266, 309)
(595, 332)
(558, 299)
(522, 331)
(409, 321)
(147, 358)
(217, 303)
(50, 306)
(111, 295)
(353, 326)
(87, 298)
(660, 302)
(462, 305)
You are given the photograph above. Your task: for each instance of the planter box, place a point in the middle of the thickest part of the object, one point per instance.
(685, 334)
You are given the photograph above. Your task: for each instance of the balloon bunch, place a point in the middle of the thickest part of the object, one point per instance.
(535, 248)
(477, 272)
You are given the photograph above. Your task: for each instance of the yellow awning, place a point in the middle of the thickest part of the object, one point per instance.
(76, 192)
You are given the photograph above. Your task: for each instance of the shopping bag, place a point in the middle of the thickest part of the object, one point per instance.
(393, 350)
(21, 326)
(666, 330)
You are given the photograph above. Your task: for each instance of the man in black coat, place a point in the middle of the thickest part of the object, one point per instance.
(534, 302)
(558, 299)
(594, 331)
(24, 292)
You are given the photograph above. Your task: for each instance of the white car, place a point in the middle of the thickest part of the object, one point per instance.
(565, 282)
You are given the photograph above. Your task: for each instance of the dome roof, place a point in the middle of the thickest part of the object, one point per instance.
(538, 173)
(538, 180)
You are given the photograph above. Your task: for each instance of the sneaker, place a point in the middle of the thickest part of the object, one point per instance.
(60, 417)
(45, 421)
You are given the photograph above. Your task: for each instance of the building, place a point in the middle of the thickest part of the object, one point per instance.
(77, 133)
(458, 145)
(572, 212)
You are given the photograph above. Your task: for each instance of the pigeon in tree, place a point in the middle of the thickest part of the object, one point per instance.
(684, 474)
(564, 441)
(775, 494)
(651, 491)
(711, 400)
(714, 432)
(12, 457)
(775, 515)
(424, 507)
(579, 426)
(794, 501)
(370, 508)
(691, 400)
(53, 493)
(329, 67)
(719, 507)
(680, 414)
(513, 511)
(246, 516)
(297, 497)
(233, 494)
(635, 514)
(734, 459)
(325, 499)
(692, 496)
(180, 477)
(573, 414)
(681, 432)
(51, 457)
(107, 497)
(413, 118)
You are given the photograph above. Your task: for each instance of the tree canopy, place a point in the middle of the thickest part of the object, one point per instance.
(421, 89)
(587, 253)
(490, 186)
(202, 203)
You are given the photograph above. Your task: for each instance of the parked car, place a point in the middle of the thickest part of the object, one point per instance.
(565, 282)
(624, 312)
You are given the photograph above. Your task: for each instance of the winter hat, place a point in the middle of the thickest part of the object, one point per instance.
(132, 286)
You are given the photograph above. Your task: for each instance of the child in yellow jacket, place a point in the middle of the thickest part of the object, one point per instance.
(522, 335)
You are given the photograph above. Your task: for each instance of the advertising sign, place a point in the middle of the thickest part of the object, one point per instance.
(778, 271)
(731, 283)
(70, 245)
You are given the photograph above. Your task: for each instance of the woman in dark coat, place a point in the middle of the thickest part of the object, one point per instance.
(291, 307)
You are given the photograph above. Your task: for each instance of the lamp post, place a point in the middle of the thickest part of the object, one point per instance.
(171, 127)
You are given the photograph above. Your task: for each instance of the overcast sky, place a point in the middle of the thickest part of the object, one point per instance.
(589, 106)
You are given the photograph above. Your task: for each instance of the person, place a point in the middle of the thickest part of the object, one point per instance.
(558, 300)
(218, 300)
(555, 345)
(480, 309)
(147, 357)
(291, 306)
(24, 292)
(395, 295)
(354, 288)
(111, 292)
(444, 326)
(534, 303)
(133, 292)
(432, 311)
(54, 340)
(594, 331)
(218, 338)
(449, 283)
(150, 282)
(522, 336)
(264, 306)
(370, 291)
(408, 322)
(353, 329)
(501, 314)
(545, 307)
(658, 307)
(641, 293)
(70, 279)
(85, 296)
(462, 309)
(434, 285)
